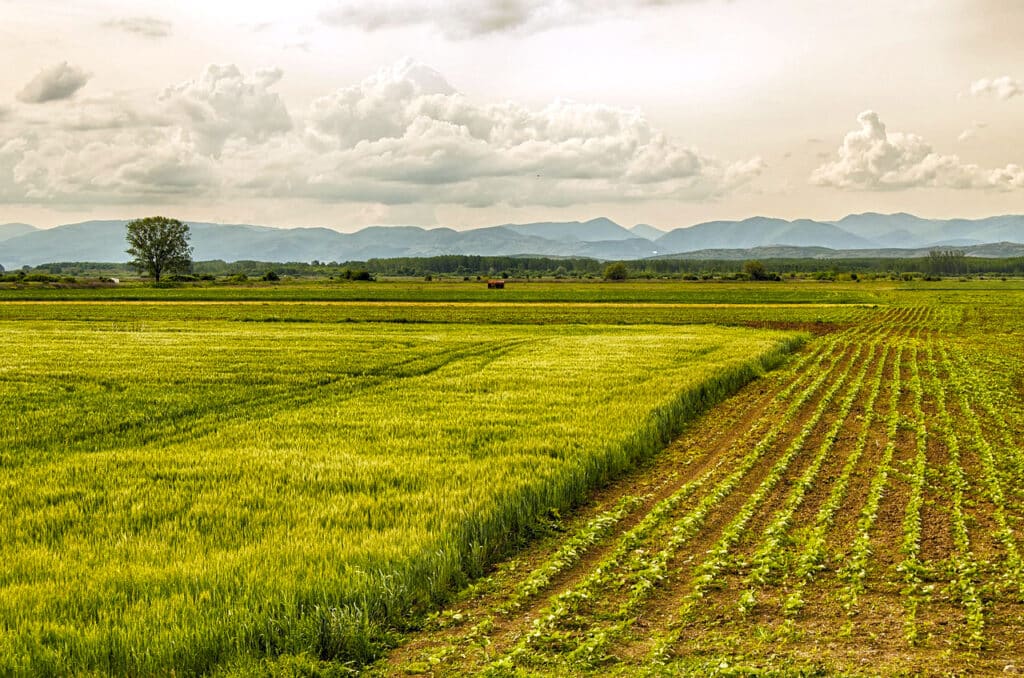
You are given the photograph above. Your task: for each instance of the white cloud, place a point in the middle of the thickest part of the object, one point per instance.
(144, 26)
(132, 165)
(971, 132)
(222, 104)
(1007, 178)
(1002, 88)
(55, 83)
(376, 108)
(873, 159)
(410, 132)
(401, 136)
(470, 18)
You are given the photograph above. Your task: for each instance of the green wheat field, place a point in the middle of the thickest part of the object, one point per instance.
(291, 480)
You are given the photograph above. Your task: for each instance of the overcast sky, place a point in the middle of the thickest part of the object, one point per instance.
(468, 113)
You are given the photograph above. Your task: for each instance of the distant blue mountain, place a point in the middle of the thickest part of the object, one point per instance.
(8, 231)
(21, 244)
(647, 231)
(757, 232)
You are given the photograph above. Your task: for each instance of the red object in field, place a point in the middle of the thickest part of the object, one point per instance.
(495, 284)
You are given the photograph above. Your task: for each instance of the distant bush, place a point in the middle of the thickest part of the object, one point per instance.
(271, 276)
(181, 277)
(616, 271)
(238, 278)
(755, 270)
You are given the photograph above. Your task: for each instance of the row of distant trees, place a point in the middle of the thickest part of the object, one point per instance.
(159, 246)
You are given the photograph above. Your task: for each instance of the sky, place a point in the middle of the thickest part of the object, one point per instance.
(462, 113)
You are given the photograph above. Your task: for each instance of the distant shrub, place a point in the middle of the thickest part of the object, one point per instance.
(180, 277)
(755, 270)
(271, 276)
(238, 278)
(616, 271)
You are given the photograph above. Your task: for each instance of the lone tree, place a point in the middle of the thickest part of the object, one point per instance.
(159, 245)
(616, 271)
(756, 270)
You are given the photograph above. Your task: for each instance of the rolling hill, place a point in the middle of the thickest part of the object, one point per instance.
(870, 234)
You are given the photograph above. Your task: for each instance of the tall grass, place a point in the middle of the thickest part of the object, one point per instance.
(188, 496)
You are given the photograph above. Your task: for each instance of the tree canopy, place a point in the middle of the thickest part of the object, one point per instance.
(616, 271)
(159, 245)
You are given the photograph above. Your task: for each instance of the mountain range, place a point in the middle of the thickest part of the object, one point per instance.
(855, 235)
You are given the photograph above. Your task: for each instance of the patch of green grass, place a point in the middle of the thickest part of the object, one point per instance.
(194, 495)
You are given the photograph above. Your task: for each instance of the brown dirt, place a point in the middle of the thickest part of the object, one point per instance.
(870, 639)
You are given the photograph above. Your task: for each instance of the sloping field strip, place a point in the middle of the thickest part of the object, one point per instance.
(803, 369)
(653, 523)
(767, 560)
(707, 572)
(982, 463)
(1010, 456)
(810, 559)
(767, 548)
(332, 631)
(854, 571)
(911, 568)
(1012, 570)
(706, 575)
(964, 568)
(495, 619)
(649, 569)
(804, 365)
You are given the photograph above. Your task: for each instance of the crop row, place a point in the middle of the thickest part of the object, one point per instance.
(706, 575)
(854, 572)
(637, 568)
(963, 567)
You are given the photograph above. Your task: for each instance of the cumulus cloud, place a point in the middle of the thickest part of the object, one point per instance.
(469, 18)
(971, 132)
(223, 103)
(872, 158)
(1007, 178)
(407, 128)
(129, 166)
(55, 83)
(145, 26)
(404, 135)
(1003, 88)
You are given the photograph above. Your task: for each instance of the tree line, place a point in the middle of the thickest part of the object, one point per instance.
(160, 246)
